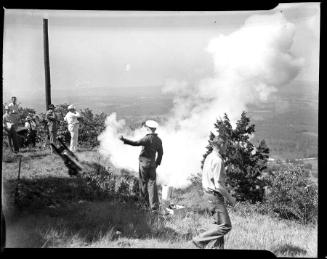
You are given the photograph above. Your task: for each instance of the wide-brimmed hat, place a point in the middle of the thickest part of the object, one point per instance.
(151, 124)
(51, 106)
(71, 107)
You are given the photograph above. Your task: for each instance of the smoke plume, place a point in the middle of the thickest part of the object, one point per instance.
(249, 65)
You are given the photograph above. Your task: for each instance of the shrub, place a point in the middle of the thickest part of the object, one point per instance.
(291, 193)
(244, 162)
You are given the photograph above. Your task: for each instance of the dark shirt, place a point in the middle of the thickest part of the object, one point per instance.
(52, 120)
(151, 145)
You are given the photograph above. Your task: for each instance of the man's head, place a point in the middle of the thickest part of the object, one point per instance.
(71, 108)
(28, 118)
(7, 110)
(14, 99)
(218, 145)
(151, 125)
(51, 107)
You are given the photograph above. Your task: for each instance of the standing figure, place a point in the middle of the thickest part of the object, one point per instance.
(148, 162)
(52, 123)
(14, 109)
(213, 183)
(30, 124)
(9, 125)
(72, 118)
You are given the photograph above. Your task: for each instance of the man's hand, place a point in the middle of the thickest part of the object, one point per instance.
(232, 201)
(121, 138)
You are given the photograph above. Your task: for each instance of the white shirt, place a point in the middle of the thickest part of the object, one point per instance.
(71, 117)
(13, 107)
(30, 125)
(213, 172)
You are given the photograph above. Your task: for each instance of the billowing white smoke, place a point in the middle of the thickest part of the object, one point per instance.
(249, 64)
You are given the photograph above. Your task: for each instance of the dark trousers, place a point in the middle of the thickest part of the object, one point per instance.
(13, 139)
(31, 137)
(53, 138)
(214, 237)
(148, 185)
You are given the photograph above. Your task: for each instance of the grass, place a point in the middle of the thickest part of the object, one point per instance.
(61, 212)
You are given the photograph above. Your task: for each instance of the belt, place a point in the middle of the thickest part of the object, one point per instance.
(213, 192)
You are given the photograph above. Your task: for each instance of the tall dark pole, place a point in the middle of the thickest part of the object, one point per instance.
(46, 63)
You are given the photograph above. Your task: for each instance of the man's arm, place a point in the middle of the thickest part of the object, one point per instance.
(159, 156)
(221, 186)
(50, 116)
(140, 142)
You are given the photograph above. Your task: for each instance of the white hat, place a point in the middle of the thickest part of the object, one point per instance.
(70, 107)
(6, 107)
(151, 124)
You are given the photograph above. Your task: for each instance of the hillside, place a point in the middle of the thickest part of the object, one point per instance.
(60, 211)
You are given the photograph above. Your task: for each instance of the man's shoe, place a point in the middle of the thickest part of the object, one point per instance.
(197, 244)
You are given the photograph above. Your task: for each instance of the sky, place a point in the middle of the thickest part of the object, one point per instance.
(110, 49)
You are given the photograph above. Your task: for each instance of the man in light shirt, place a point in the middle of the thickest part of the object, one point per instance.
(213, 183)
(73, 124)
(14, 109)
(8, 123)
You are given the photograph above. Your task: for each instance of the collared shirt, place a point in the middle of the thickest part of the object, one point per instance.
(8, 120)
(13, 107)
(152, 144)
(213, 172)
(14, 112)
(71, 117)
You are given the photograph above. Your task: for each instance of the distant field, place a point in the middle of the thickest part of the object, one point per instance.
(288, 121)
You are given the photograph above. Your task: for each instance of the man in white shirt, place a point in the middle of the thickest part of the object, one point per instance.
(213, 183)
(73, 124)
(14, 109)
(8, 124)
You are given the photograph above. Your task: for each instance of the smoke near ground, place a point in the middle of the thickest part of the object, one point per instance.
(249, 65)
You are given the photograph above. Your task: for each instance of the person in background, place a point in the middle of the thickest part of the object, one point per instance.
(213, 183)
(72, 119)
(8, 123)
(148, 162)
(30, 124)
(14, 109)
(52, 123)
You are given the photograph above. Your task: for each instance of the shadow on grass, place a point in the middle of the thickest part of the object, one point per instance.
(53, 211)
(289, 250)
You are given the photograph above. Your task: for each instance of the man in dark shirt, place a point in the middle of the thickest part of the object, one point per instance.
(52, 122)
(148, 162)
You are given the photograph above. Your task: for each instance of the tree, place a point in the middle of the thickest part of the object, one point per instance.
(244, 162)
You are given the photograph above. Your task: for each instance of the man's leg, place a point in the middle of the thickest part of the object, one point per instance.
(51, 135)
(152, 189)
(10, 142)
(33, 138)
(75, 137)
(72, 137)
(214, 237)
(14, 139)
(143, 181)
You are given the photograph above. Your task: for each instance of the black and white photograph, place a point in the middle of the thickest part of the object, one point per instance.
(161, 129)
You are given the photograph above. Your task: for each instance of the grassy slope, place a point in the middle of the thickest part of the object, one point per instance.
(76, 221)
